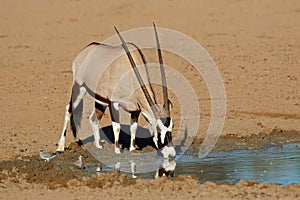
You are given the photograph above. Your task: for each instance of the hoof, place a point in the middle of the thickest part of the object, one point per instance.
(132, 148)
(98, 146)
(59, 152)
(61, 145)
(117, 151)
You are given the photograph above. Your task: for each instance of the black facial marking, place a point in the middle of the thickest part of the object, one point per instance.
(167, 121)
(167, 141)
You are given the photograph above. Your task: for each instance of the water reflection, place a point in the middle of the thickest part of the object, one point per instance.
(166, 168)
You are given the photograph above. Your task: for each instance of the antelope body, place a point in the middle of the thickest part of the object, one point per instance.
(141, 101)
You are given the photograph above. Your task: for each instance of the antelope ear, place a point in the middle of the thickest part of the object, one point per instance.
(148, 118)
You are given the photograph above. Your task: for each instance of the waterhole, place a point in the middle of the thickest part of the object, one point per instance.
(271, 164)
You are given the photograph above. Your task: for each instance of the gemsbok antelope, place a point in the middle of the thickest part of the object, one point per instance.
(144, 101)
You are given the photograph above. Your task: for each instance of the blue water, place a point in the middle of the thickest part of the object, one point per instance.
(273, 164)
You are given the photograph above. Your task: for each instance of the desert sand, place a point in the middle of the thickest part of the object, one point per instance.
(255, 44)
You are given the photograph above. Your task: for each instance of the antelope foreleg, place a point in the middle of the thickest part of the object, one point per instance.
(133, 128)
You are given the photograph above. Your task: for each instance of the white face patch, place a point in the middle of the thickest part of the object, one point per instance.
(164, 129)
(163, 135)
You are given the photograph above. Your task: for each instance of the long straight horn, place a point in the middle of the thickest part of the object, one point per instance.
(138, 75)
(163, 75)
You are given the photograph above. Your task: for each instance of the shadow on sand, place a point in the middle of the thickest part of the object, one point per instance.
(143, 137)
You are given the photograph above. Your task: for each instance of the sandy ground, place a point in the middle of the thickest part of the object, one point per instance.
(256, 45)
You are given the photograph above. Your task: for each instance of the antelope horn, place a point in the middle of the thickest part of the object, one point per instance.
(138, 75)
(163, 75)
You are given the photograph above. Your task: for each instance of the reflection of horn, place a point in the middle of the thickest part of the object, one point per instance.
(138, 76)
(163, 75)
